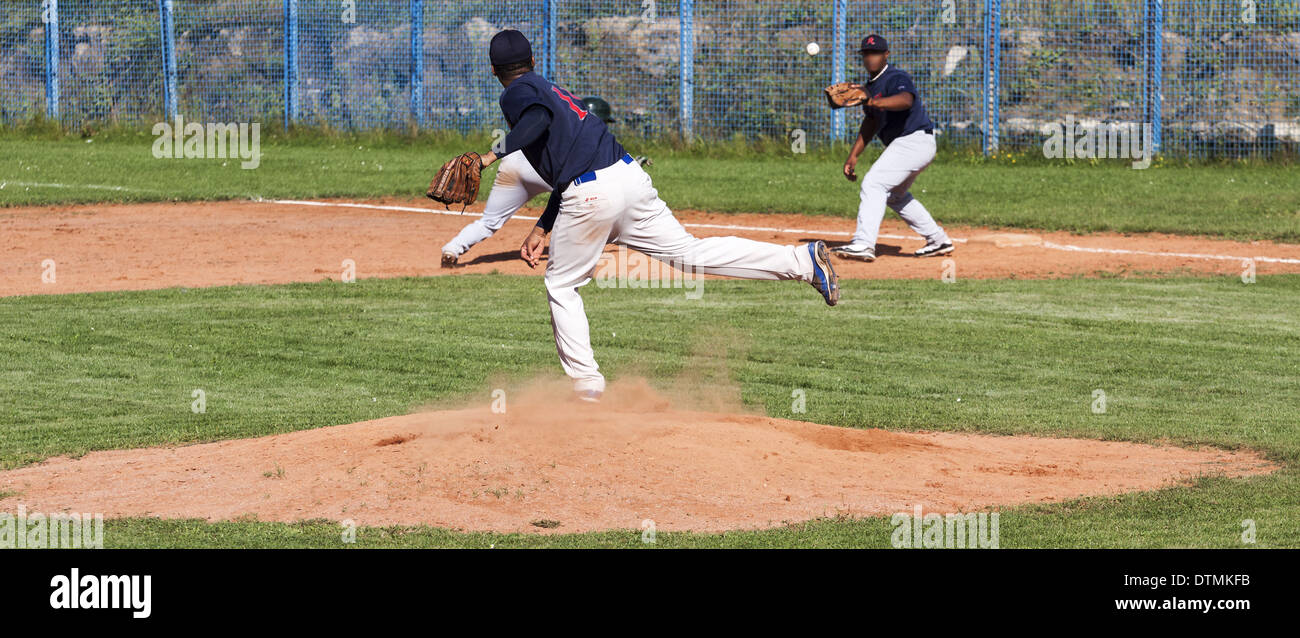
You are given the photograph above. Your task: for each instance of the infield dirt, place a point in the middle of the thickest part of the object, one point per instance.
(100, 247)
(636, 457)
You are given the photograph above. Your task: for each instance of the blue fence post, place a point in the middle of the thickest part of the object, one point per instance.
(417, 62)
(290, 62)
(167, 26)
(50, 16)
(992, 68)
(548, 40)
(839, 44)
(686, 44)
(1152, 87)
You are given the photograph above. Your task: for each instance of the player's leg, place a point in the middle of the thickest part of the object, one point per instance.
(582, 228)
(911, 210)
(649, 226)
(516, 183)
(895, 165)
(919, 219)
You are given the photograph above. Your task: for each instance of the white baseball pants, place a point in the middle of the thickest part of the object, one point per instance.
(622, 206)
(888, 183)
(516, 183)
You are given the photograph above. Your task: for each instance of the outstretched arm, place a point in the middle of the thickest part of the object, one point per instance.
(898, 102)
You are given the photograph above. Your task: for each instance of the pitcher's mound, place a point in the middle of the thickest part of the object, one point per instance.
(557, 465)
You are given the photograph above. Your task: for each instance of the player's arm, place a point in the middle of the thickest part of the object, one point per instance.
(899, 95)
(871, 120)
(534, 121)
(531, 250)
(898, 102)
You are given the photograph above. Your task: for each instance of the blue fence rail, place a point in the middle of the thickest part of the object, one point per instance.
(1214, 78)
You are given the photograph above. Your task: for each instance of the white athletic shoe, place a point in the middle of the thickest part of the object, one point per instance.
(934, 250)
(862, 253)
(589, 390)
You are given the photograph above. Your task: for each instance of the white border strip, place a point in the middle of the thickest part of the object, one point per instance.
(1122, 251)
(456, 213)
(98, 187)
(803, 231)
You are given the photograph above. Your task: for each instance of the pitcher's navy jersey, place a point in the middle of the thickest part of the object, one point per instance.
(893, 81)
(576, 142)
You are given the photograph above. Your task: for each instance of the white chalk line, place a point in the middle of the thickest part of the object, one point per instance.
(1123, 251)
(803, 231)
(98, 187)
(755, 229)
(456, 213)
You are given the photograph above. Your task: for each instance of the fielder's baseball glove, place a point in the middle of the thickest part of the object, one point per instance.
(845, 94)
(457, 181)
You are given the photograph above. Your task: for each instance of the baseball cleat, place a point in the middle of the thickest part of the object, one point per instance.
(862, 253)
(590, 396)
(824, 278)
(934, 250)
(449, 260)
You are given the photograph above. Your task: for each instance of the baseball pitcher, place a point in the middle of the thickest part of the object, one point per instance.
(516, 183)
(602, 195)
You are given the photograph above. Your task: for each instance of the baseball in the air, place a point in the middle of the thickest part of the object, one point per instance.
(812, 48)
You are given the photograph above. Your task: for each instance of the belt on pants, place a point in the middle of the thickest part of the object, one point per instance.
(590, 176)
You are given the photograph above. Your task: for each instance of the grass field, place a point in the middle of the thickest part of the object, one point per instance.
(1185, 361)
(1256, 201)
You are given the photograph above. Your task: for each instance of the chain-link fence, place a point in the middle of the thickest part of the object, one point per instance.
(1214, 78)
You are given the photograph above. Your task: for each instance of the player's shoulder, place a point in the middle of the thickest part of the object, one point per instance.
(529, 83)
(890, 75)
(896, 74)
(522, 92)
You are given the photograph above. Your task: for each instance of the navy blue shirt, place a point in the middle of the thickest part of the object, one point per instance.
(575, 142)
(893, 81)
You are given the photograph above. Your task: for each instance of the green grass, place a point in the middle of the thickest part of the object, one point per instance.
(1250, 201)
(1187, 361)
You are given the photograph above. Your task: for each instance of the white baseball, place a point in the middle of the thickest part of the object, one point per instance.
(812, 48)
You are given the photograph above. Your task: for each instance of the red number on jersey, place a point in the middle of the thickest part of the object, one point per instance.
(582, 113)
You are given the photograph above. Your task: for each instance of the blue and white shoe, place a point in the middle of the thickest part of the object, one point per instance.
(590, 396)
(824, 278)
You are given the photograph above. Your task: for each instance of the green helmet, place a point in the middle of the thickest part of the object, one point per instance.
(598, 107)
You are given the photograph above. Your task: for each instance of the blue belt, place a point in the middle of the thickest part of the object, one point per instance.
(590, 176)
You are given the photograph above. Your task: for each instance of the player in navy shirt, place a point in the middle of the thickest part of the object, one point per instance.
(894, 113)
(602, 195)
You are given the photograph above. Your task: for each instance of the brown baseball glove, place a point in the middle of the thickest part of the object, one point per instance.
(845, 94)
(457, 181)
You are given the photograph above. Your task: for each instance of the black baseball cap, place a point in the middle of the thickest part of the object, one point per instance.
(508, 47)
(873, 42)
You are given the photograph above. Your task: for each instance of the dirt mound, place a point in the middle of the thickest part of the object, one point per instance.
(598, 467)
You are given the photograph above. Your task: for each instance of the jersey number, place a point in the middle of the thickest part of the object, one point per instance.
(582, 113)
